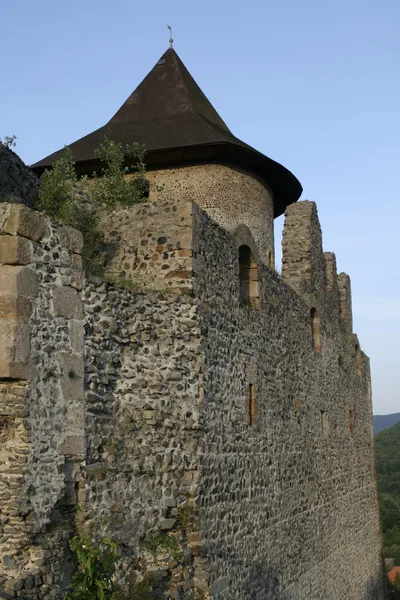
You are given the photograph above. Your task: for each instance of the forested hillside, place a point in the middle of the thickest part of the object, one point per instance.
(388, 471)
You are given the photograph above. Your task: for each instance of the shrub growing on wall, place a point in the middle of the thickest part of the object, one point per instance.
(93, 578)
(79, 202)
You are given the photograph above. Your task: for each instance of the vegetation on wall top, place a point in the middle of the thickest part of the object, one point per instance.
(79, 202)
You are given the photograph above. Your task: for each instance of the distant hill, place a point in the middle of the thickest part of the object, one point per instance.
(382, 422)
(387, 446)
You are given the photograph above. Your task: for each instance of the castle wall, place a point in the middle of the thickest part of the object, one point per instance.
(229, 196)
(42, 438)
(150, 246)
(287, 506)
(143, 401)
(144, 421)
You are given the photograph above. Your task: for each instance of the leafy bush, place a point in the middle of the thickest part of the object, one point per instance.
(93, 578)
(79, 202)
(57, 195)
(112, 187)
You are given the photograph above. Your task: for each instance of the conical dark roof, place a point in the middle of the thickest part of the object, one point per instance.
(169, 113)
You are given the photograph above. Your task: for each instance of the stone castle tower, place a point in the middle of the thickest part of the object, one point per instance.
(213, 417)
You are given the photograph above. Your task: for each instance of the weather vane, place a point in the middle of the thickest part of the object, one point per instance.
(171, 41)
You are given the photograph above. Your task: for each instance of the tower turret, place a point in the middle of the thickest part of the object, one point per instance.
(192, 153)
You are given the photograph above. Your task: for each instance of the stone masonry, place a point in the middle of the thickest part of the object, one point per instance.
(224, 444)
(18, 183)
(230, 196)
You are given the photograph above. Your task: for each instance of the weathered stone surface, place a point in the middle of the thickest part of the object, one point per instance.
(42, 421)
(150, 246)
(18, 287)
(73, 445)
(18, 183)
(286, 496)
(13, 307)
(14, 341)
(18, 281)
(26, 222)
(15, 250)
(211, 441)
(71, 239)
(76, 336)
(67, 303)
(230, 197)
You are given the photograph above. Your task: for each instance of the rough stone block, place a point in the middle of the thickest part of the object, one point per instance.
(75, 416)
(73, 445)
(76, 336)
(14, 348)
(167, 524)
(26, 222)
(67, 303)
(15, 250)
(72, 239)
(12, 307)
(18, 281)
(71, 376)
(11, 370)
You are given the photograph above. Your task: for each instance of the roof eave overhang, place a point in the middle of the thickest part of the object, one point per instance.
(285, 186)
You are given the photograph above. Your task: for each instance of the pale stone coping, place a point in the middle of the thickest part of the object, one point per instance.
(21, 221)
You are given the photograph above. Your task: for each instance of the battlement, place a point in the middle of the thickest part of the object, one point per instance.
(309, 270)
(152, 247)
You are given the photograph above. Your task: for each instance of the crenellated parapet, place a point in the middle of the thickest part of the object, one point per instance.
(310, 271)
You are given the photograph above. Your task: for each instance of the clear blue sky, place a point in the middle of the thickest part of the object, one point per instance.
(314, 85)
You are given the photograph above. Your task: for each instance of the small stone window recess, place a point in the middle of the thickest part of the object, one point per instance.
(252, 407)
(248, 279)
(324, 423)
(270, 260)
(315, 329)
(358, 359)
(351, 421)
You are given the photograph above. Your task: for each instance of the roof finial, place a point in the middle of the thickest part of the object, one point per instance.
(171, 41)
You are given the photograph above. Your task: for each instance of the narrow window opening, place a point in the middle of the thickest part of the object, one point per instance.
(358, 360)
(248, 278)
(315, 329)
(324, 423)
(252, 408)
(351, 421)
(270, 259)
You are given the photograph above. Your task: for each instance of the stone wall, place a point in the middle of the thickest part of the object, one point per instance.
(226, 450)
(143, 404)
(150, 246)
(231, 198)
(42, 439)
(288, 506)
(18, 183)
